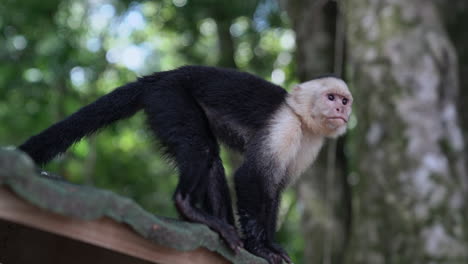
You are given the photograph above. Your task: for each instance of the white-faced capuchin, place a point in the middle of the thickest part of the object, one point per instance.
(190, 109)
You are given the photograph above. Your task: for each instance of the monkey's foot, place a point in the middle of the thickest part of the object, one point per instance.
(227, 232)
(271, 255)
(278, 249)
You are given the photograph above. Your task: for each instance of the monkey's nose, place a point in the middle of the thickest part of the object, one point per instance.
(339, 110)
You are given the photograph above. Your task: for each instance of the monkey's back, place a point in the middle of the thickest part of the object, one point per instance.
(242, 96)
(237, 104)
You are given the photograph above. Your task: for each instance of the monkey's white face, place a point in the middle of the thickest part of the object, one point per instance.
(324, 105)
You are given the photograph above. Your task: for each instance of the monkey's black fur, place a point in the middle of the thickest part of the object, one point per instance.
(189, 109)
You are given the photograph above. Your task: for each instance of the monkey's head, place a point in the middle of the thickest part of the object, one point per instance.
(323, 104)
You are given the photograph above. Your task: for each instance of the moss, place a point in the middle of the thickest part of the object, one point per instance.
(18, 172)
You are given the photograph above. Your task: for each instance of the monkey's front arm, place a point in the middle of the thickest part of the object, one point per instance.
(258, 202)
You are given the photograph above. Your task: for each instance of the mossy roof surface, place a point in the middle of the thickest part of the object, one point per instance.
(18, 172)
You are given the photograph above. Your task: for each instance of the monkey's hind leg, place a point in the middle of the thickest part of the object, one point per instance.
(196, 187)
(217, 199)
(181, 126)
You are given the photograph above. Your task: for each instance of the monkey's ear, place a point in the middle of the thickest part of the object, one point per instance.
(297, 88)
(296, 91)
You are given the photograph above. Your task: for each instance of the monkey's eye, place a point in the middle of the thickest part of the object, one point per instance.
(345, 101)
(331, 97)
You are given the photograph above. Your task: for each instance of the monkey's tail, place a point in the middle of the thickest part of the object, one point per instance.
(121, 103)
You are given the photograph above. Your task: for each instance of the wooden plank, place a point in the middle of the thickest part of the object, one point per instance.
(104, 232)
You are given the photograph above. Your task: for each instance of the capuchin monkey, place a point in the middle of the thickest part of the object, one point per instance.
(190, 109)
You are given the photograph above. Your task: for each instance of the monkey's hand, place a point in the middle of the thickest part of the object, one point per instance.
(271, 255)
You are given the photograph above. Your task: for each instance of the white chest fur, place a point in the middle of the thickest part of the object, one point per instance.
(292, 148)
(305, 156)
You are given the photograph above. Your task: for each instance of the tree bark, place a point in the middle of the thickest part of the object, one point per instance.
(225, 44)
(323, 192)
(456, 18)
(409, 200)
(313, 23)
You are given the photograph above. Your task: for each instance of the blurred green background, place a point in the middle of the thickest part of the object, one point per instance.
(392, 191)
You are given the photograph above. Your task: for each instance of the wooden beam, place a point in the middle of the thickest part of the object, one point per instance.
(104, 232)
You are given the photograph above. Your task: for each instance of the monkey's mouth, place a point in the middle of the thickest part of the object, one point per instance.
(339, 117)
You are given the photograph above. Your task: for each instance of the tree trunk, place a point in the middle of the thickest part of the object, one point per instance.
(225, 44)
(323, 192)
(409, 203)
(456, 19)
(313, 23)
